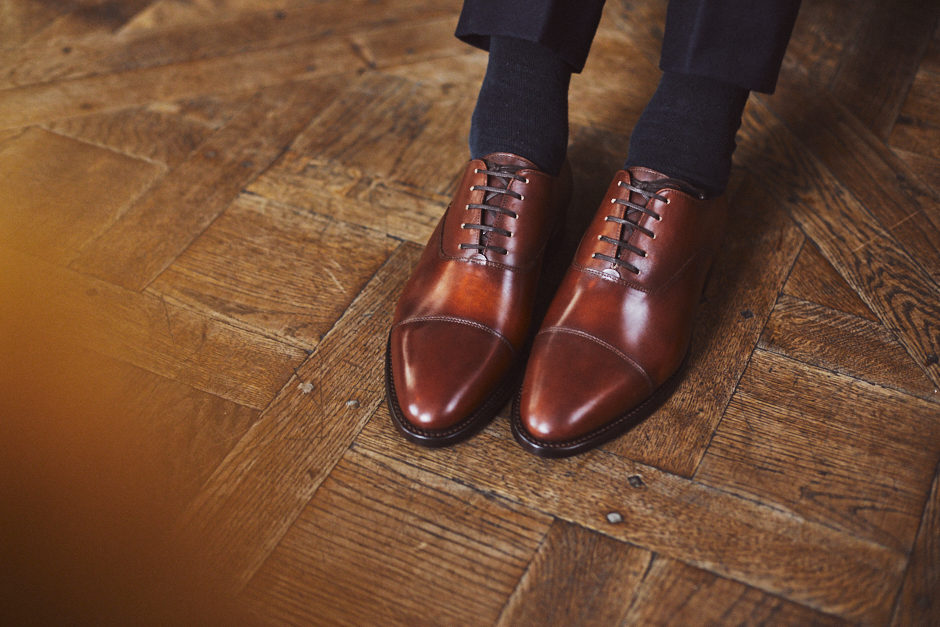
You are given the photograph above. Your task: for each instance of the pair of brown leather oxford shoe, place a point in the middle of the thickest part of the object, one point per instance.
(612, 345)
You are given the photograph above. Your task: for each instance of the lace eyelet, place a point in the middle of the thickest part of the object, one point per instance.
(525, 180)
(613, 200)
(473, 188)
(521, 197)
(668, 201)
(476, 170)
(463, 225)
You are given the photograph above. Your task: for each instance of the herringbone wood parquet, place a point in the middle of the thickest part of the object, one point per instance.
(207, 211)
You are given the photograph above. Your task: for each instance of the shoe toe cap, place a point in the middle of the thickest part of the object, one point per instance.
(575, 386)
(443, 370)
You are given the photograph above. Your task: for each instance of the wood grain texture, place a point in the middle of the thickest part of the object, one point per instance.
(815, 280)
(412, 42)
(824, 30)
(174, 33)
(861, 162)
(134, 251)
(802, 561)
(674, 594)
(814, 461)
(845, 344)
(875, 75)
(21, 19)
(258, 491)
(752, 265)
(387, 126)
(152, 334)
(618, 80)
(57, 194)
(384, 543)
(350, 195)
(46, 102)
(578, 577)
(880, 271)
(284, 272)
(917, 129)
(928, 169)
(156, 134)
(919, 602)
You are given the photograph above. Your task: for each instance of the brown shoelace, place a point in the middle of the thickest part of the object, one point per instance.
(505, 174)
(647, 189)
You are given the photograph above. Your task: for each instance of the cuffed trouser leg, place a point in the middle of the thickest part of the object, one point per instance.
(741, 42)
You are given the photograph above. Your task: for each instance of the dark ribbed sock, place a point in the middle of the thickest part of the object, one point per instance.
(687, 131)
(523, 104)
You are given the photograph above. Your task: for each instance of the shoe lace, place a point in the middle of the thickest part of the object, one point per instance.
(646, 189)
(496, 174)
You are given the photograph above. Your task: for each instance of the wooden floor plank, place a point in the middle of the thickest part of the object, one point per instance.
(57, 194)
(578, 577)
(845, 344)
(412, 42)
(877, 267)
(258, 491)
(824, 30)
(390, 186)
(381, 124)
(383, 543)
(350, 195)
(21, 19)
(170, 33)
(617, 82)
(804, 562)
(917, 129)
(881, 181)
(90, 18)
(147, 239)
(285, 272)
(157, 134)
(814, 279)
(123, 90)
(165, 339)
(928, 169)
(751, 267)
(791, 439)
(676, 594)
(919, 601)
(875, 75)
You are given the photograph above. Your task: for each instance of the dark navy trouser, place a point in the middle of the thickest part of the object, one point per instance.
(741, 42)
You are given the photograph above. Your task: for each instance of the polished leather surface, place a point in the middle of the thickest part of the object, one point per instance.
(613, 338)
(463, 318)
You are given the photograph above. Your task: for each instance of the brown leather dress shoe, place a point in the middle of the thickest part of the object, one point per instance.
(612, 345)
(459, 334)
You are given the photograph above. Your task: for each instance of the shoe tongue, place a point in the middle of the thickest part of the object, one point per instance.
(506, 159)
(653, 181)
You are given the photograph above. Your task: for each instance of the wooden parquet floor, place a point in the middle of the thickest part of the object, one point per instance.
(207, 211)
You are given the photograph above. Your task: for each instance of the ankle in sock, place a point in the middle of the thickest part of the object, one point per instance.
(687, 131)
(523, 104)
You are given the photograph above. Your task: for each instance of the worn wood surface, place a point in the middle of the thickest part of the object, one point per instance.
(673, 593)
(918, 604)
(279, 464)
(578, 577)
(207, 212)
(434, 552)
